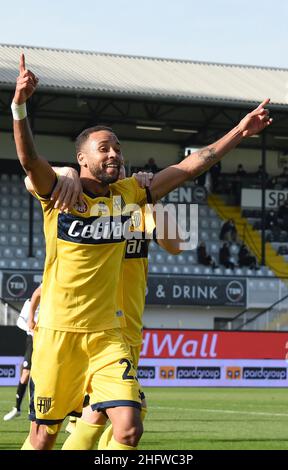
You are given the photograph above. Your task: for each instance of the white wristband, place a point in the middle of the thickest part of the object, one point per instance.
(19, 111)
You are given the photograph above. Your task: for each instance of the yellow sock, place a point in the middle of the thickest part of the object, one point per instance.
(27, 444)
(84, 436)
(114, 445)
(53, 428)
(105, 438)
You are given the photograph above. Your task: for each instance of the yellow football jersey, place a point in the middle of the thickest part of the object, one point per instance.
(83, 266)
(135, 270)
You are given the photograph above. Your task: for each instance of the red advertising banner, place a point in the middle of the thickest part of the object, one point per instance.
(212, 344)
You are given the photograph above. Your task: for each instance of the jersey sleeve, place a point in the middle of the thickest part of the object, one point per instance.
(137, 195)
(45, 200)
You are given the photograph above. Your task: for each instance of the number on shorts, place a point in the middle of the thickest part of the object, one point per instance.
(125, 375)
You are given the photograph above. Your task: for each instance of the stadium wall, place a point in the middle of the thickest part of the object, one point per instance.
(250, 159)
(62, 149)
(137, 153)
(189, 317)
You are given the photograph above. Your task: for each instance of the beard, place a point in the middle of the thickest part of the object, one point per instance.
(103, 176)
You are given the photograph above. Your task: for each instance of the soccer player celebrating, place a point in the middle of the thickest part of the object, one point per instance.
(79, 342)
(135, 270)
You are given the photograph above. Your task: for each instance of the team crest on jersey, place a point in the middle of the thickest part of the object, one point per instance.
(117, 203)
(136, 218)
(43, 404)
(81, 207)
(99, 209)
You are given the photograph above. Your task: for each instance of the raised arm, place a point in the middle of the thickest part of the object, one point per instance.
(200, 161)
(37, 168)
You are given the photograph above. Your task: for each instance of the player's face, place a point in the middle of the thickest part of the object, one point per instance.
(103, 156)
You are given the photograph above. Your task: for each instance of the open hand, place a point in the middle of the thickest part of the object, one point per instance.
(68, 189)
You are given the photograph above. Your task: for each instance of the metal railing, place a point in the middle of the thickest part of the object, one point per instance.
(275, 317)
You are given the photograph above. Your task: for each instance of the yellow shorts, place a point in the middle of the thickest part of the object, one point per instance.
(135, 354)
(65, 365)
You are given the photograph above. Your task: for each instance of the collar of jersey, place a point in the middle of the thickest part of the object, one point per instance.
(95, 196)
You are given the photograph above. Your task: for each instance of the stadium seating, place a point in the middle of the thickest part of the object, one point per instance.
(14, 239)
(14, 226)
(277, 237)
(186, 263)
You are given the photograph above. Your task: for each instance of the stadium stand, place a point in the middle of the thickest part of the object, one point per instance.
(75, 99)
(14, 226)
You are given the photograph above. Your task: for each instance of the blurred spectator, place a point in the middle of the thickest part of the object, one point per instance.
(203, 257)
(228, 232)
(274, 183)
(260, 172)
(237, 184)
(225, 256)
(240, 171)
(283, 178)
(201, 179)
(215, 171)
(151, 166)
(283, 215)
(282, 250)
(246, 259)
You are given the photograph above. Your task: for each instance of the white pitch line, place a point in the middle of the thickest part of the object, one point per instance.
(256, 413)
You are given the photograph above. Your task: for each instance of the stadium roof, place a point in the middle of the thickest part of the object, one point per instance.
(131, 76)
(144, 99)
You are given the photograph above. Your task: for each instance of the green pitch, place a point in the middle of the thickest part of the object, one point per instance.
(190, 418)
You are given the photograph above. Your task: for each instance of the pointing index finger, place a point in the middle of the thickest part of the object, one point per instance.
(22, 67)
(264, 103)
